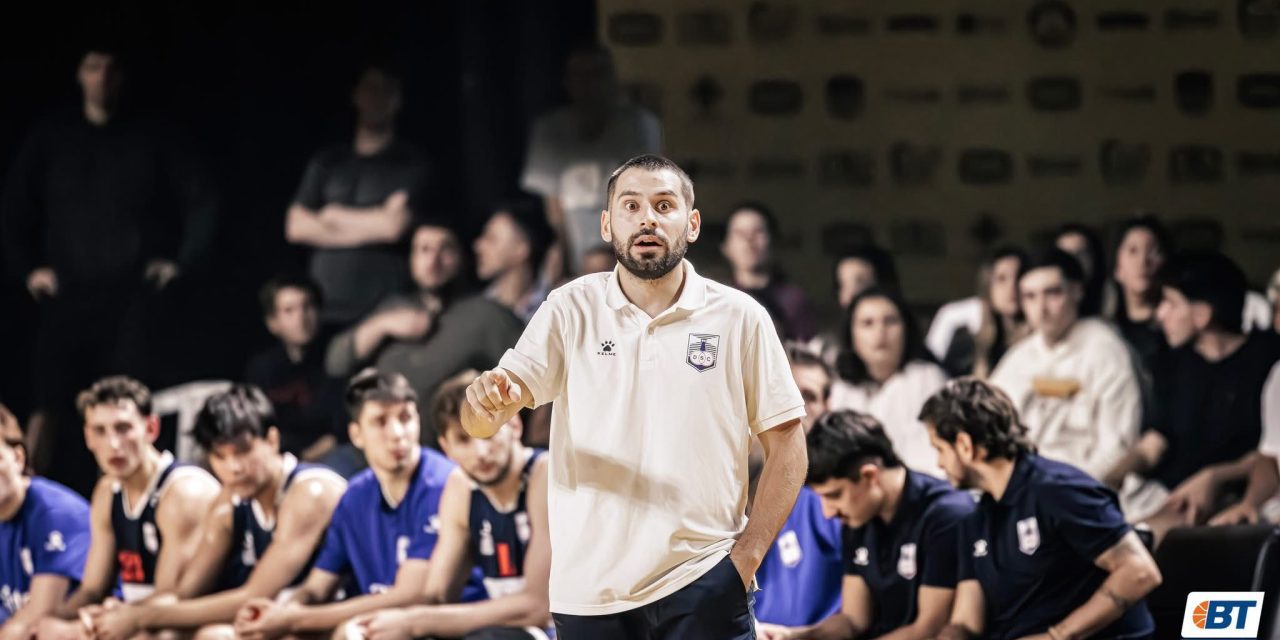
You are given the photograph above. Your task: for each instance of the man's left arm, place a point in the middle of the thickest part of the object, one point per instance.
(1132, 575)
(47, 591)
(179, 517)
(785, 463)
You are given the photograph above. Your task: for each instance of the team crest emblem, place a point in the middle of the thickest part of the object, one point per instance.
(703, 349)
(907, 561)
(150, 537)
(789, 549)
(1028, 535)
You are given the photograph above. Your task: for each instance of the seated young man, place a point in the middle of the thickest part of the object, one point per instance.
(900, 537)
(801, 574)
(145, 513)
(493, 514)
(1047, 553)
(1211, 397)
(384, 528)
(44, 537)
(259, 536)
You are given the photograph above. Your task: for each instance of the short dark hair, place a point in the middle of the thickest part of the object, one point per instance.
(530, 217)
(272, 288)
(11, 434)
(881, 262)
(242, 410)
(1211, 278)
(372, 385)
(842, 441)
(651, 162)
(448, 401)
(1148, 222)
(850, 366)
(766, 214)
(113, 389)
(981, 410)
(800, 355)
(436, 220)
(1054, 258)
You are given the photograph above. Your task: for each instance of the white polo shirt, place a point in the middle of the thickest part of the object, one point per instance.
(650, 432)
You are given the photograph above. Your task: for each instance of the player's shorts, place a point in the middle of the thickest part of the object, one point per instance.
(714, 607)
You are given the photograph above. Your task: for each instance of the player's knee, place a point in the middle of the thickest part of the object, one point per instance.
(215, 632)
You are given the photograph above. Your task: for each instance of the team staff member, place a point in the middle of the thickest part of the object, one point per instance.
(658, 377)
(259, 536)
(1048, 553)
(900, 534)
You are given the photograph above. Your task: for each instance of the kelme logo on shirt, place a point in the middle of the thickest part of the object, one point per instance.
(1222, 614)
(980, 549)
(55, 542)
(703, 351)
(606, 349)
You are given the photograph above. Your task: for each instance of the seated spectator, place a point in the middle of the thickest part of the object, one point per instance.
(748, 245)
(573, 149)
(800, 575)
(1082, 243)
(1210, 393)
(434, 332)
(971, 335)
(900, 536)
(259, 536)
(353, 206)
(1140, 252)
(307, 401)
(44, 527)
(380, 535)
(599, 259)
(145, 513)
(509, 254)
(885, 371)
(1072, 380)
(861, 268)
(1048, 553)
(493, 514)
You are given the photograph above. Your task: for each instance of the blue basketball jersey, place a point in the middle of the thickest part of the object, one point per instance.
(48, 535)
(368, 538)
(252, 530)
(499, 538)
(138, 539)
(800, 576)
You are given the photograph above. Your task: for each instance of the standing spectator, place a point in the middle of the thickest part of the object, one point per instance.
(1072, 380)
(509, 254)
(103, 209)
(748, 247)
(1140, 252)
(353, 206)
(1083, 244)
(573, 149)
(432, 333)
(971, 335)
(885, 371)
(307, 401)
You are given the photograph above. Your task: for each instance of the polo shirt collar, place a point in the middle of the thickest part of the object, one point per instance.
(1019, 479)
(909, 501)
(692, 296)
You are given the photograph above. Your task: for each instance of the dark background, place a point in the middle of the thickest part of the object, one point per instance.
(258, 87)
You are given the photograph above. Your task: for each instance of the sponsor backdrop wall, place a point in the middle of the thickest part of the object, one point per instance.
(943, 129)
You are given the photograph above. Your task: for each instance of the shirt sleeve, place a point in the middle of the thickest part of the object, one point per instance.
(1117, 414)
(311, 190)
(1270, 444)
(423, 541)
(541, 172)
(964, 554)
(60, 542)
(941, 547)
(851, 542)
(772, 396)
(333, 556)
(538, 357)
(1086, 516)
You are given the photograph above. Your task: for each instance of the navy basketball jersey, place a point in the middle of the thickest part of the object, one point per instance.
(49, 535)
(138, 539)
(499, 538)
(252, 529)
